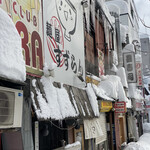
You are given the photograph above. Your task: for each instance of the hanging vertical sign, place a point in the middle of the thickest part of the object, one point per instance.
(129, 64)
(27, 16)
(101, 62)
(139, 73)
(64, 40)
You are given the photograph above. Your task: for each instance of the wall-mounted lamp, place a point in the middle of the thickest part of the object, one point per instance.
(84, 3)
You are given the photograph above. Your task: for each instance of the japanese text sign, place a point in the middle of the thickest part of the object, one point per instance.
(129, 64)
(120, 107)
(64, 40)
(139, 74)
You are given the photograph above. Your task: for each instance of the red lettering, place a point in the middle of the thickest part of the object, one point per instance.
(28, 15)
(22, 29)
(36, 49)
(34, 21)
(21, 12)
(14, 4)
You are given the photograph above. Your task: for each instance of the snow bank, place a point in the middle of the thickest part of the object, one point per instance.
(58, 105)
(12, 64)
(113, 87)
(142, 144)
(146, 127)
(93, 99)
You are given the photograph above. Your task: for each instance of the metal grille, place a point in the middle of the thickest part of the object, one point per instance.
(7, 102)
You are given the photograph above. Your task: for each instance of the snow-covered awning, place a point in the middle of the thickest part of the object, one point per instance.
(12, 64)
(113, 87)
(57, 101)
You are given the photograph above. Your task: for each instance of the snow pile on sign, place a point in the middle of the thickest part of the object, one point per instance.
(58, 105)
(142, 144)
(146, 127)
(93, 99)
(134, 92)
(113, 87)
(12, 65)
(124, 31)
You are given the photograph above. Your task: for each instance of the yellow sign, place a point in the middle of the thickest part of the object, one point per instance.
(106, 106)
(90, 80)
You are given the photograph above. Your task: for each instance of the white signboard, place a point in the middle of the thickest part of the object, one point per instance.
(129, 64)
(64, 40)
(92, 128)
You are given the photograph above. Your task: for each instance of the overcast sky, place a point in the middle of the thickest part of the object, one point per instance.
(143, 9)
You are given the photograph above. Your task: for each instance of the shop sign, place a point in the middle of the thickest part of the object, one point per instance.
(64, 40)
(120, 107)
(139, 74)
(27, 16)
(129, 64)
(138, 106)
(93, 128)
(148, 106)
(106, 106)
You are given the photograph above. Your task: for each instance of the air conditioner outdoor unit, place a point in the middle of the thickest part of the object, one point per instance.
(11, 106)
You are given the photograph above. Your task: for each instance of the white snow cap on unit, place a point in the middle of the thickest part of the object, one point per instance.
(129, 48)
(113, 8)
(12, 64)
(123, 6)
(124, 31)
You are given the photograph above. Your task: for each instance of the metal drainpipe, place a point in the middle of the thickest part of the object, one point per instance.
(119, 50)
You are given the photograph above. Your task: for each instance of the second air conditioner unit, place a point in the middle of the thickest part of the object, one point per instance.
(11, 107)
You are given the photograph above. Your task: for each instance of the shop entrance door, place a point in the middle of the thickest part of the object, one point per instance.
(121, 128)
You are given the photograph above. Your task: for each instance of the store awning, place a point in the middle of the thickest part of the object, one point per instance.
(53, 101)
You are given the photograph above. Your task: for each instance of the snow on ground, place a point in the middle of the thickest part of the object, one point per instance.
(142, 144)
(12, 64)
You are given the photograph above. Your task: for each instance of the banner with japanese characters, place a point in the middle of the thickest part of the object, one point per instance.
(139, 73)
(27, 16)
(64, 40)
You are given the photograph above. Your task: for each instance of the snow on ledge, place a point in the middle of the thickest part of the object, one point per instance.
(73, 145)
(12, 64)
